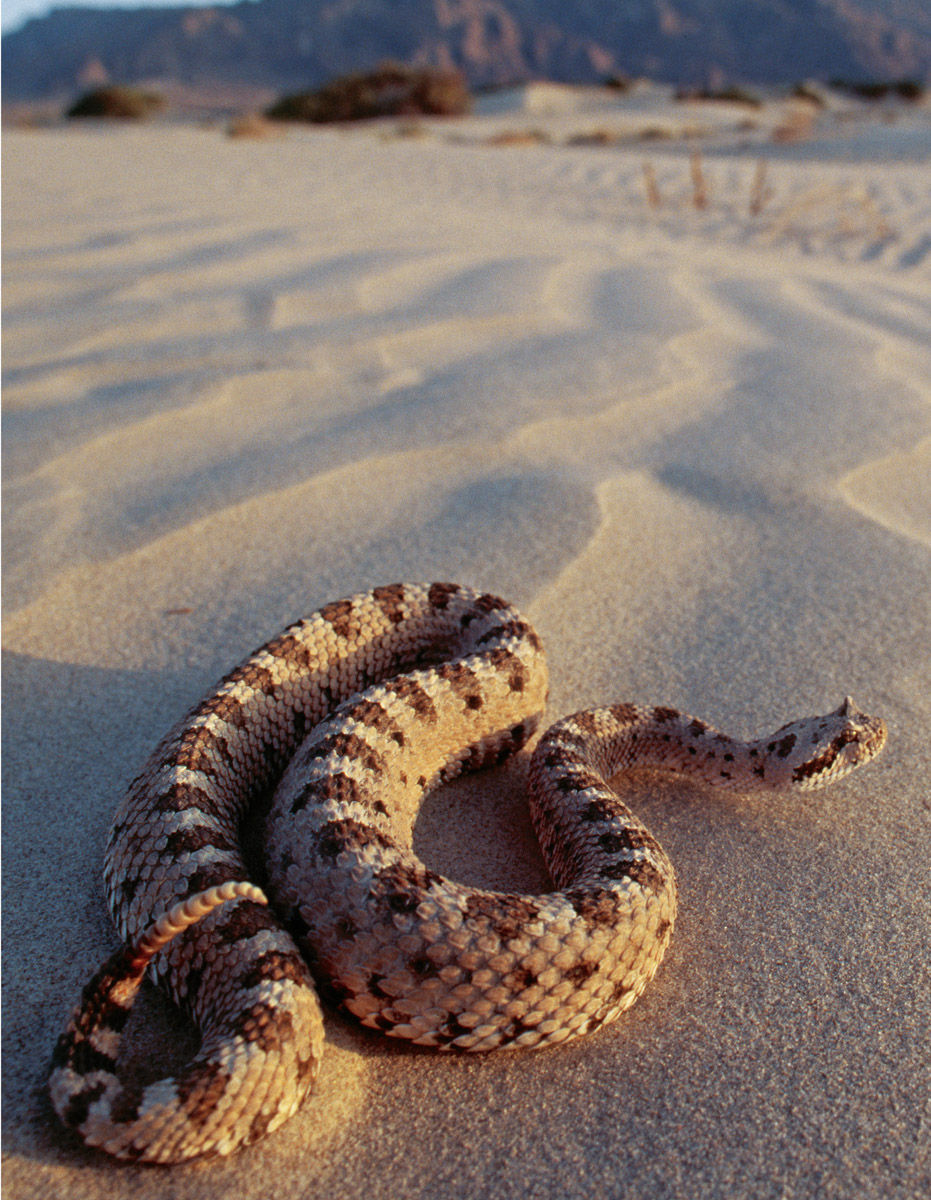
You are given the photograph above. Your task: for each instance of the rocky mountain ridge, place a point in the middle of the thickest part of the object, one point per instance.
(278, 45)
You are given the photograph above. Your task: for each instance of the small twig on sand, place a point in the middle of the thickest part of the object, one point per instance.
(699, 186)
(654, 199)
(759, 192)
(881, 229)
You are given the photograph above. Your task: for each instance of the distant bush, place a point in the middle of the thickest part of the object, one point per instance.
(909, 89)
(805, 91)
(519, 137)
(391, 90)
(595, 137)
(619, 82)
(905, 89)
(732, 95)
(123, 103)
(252, 125)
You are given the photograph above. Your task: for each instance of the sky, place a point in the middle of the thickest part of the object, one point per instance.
(14, 12)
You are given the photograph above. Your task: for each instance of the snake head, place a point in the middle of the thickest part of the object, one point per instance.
(816, 751)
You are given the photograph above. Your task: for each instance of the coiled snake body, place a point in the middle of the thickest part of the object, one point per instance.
(348, 718)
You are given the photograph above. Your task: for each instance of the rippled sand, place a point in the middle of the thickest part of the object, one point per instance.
(243, 379)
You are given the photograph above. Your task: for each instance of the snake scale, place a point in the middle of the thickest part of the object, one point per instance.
(337, 728)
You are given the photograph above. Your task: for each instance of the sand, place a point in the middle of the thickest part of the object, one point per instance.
(244, 378)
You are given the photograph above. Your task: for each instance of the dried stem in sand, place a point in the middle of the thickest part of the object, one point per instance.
(699, 184)
(760, 194)
(654, 199)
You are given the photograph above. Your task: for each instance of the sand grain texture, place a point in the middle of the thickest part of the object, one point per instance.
(245, 378)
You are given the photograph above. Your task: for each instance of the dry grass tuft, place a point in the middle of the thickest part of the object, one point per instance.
(519, 137)
(253, 125)
(595, 137)
(824, 213)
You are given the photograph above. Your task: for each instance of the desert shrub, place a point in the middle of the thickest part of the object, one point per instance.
(619, 82)
(797, 126)
(122, 103)
(595, 137)
(905, 89)
(391, 90)
(805, 91)
(909, 89)
(519, 137)
(732, 95)
(252, 125)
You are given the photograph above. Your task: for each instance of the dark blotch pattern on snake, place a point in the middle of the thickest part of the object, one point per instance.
(347, 719)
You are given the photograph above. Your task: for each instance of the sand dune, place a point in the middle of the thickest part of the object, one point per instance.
(886, 490)
(246, 378)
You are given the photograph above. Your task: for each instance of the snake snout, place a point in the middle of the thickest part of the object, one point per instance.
(863, 737)
(874, 736)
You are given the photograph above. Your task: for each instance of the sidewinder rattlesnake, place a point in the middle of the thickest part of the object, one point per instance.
(347, 719)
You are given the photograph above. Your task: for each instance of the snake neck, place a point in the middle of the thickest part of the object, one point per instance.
(809, 753)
